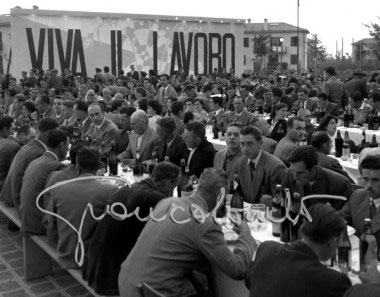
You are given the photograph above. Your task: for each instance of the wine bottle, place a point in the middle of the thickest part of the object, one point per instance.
(346, 147)
(363, 244)
(237, 196)
(285, 226)
(345, 250)
(138, 169)
(373, 142)
(112, 160)
(363, 143)
(293, 213)
(277, 210)
(215, 129)
(338, 145)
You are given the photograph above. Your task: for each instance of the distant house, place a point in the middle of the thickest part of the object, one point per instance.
(362, 50)
(282, 45)
(5, 43)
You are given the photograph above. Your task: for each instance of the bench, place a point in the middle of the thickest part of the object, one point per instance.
(38, 252)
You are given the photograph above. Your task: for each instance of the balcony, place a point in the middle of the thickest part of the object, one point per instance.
(274, 50)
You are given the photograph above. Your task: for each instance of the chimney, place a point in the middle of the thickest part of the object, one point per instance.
(35, 7)
(266, 26)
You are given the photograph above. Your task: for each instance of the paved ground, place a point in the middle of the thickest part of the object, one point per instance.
(12, 280)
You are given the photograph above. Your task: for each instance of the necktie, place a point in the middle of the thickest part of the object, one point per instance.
(372, 210)
(253, 167)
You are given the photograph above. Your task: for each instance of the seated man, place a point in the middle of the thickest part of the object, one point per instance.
(361, 109)
(217, 112)
(70, 201)
(321, 141)
(227, 158)
(240, 114)
(114, 239)
(295, 269)
(364, 203)
(295, 134)
(258, 170)
(305, 114)
(166, 252)
(327, 106)
(269, 144)
(306, 177)
(200, 152)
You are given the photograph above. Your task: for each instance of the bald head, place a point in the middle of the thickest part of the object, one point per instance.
(139, 121)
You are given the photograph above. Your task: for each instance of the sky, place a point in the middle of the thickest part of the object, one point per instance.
(332, 20)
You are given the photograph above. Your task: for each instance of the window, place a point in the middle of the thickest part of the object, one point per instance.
(246, 42)
(293, 60)
(294, 41)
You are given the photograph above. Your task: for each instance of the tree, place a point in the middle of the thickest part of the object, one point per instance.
(316, 51)
(261, 48)
(374, 31)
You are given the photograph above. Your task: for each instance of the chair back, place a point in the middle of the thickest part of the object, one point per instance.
(147, 291)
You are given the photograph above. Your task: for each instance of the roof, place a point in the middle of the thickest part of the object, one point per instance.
(364, 41)
(279, 27)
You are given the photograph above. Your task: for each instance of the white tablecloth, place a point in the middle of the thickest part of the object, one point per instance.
(356, 134)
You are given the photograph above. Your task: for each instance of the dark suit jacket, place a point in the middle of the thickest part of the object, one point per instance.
(295, 271)
(122, 140)
(12, 186)
(246, 118)
(202, 158)
(327, 182)
(357, 85)
(33, 183)
(311, 104)
(175, 151)
(332, 164)
(162, 96)
(269, 172)
(219, 118)
(113, 239)
(220, 158)
(361, 290)
(336, 91)
(332, 108)
(8, 150)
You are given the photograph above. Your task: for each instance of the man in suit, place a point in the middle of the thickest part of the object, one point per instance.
(365, 203)
(165, 91)
(296, 268)
(279, 97)
(321, 141)
(35, 178)
(70, 201)
(191, 246)
(374, 101)
(258, 170)
(240, 114)
(305, 102)
(249, 99)
(295, 134)
(10, 193)
(133, 73)
(57, 106)
(44, 109)
(361, 109)
(306, 177)
(326, 106)
(227, 158)
(305, 114)
(54, 81)
(102, 130)
(217, 113)
(11, 145)
(141, 139)
(125, 128)
(358, 84)
(269, 145)
(171, 146)
(114, 239)
(177, 109)
(68, 113)
(335, 89)
(200, 152)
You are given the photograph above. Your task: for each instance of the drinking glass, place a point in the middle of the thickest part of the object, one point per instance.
(256, 214)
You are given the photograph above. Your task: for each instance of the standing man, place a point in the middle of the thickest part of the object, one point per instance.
(258, 170)
(217, 113)
(358, 84)
(335, 90)
(165, 91)
(133, 73)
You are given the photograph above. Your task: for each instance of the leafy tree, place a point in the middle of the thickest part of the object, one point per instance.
(317, 51)
(374, 31)
(260, 47)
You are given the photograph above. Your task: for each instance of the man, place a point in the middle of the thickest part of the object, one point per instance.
(55, 81)
(15, 110)
(279, 97)
(114, 239)
(57, 106)
(125, 128)
(305, 114)
(306, 177)
(358, 84)
(177, 109)
(102, 130)
(80, 110)
(70, 201)
(7, 127)
(107, 97)
(165, 91)
(326, 106)
(34, 180)
(133, 73)
(171, 145)
(227, 158)
(11, 145)
(360, 108)
(32, 150)
(364, 203)
(44, 109)
(269, 145)
(140, 139)
(258, 170)
(335, 90)
(191, 245)
(295, 134)
(374, 101)
(200, 152)
(248, 98)
(109, 79)
(68, 113)
(217, 113)
(114, 114)
(305, 102)
(321, 141)
(295, 269)
(240, 114)
(34, 93)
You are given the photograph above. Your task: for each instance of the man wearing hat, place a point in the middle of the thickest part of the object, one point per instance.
(54, 81)
(358, 84)
(335, 89)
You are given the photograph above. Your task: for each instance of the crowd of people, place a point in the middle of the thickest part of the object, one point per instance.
(270, 139)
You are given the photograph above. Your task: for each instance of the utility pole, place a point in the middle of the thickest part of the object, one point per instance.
(298, 36)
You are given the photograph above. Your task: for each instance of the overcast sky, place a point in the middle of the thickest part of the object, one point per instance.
(332, 20)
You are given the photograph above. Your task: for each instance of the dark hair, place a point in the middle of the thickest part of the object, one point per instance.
(165, 75)
(143, 104)
(330, 70)
(189, 87)
(302, 91)
(370, 162)
(197, 128)
(276, 108)
(288, 90)
(187, 117)
(312, 93)
(47, 124)
(217, 100)
(206, 88)
(320, 138)
(326, 223)
(176, 107)
(116, 104)
(81, 105)
(235, 124)
(277, 92)
(6, 122)
(44, 99)
(75, 148)
(141, 90)
(165, 171)
(68, 103)
(29, 106)
(306, 154)
(11, 92)
(23, 130)
(88, 158)
(292, 119)
(128, 110)
(375, 96)
(167, 123)
(20, 98)
(200, 101)
(155, 105)
(325, 121)
(106, 69)
(322, 95)
(55, 138)
(356, 96)
(250, 130)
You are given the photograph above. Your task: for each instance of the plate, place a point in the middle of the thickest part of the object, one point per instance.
(350, 230)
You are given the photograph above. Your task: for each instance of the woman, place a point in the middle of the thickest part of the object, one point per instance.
(90, 96)
(29, 115)
(279, 125)
(199, 111)
(154, 111)
(230, 98)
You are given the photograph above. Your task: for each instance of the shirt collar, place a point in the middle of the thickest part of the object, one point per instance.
(255, 160)
(376, 202)
(217, 111)
(43, 144)
(362, 106)
(104, 119)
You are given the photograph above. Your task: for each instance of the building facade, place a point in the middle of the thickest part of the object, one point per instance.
(363, 50)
